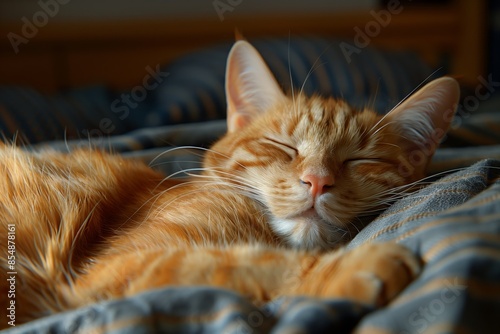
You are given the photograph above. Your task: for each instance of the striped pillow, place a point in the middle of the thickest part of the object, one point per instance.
(194, 90)
(81, 113)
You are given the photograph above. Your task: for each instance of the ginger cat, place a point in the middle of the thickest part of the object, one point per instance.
(278, 194)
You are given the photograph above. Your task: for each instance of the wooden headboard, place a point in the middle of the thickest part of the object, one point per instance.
(69, 54)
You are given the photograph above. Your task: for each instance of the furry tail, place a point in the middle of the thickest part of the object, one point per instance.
(43, 211)
(55, 212)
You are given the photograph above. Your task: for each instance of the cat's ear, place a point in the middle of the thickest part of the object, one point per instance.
(423, 119)
(250, 86)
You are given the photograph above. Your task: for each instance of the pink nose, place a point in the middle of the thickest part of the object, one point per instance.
(318, 184)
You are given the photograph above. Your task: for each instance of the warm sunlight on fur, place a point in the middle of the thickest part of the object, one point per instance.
(293, 178)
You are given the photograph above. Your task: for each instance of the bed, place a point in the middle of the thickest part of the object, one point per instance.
(453, 223)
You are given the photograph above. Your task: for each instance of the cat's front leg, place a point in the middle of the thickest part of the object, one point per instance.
(371, 274)
(257, 272)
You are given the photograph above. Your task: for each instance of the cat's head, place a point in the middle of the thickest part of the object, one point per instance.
(316, 164)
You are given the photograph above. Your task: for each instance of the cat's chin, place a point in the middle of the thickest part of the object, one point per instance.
(307, 230)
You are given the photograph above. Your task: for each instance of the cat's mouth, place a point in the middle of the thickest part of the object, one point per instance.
(309, 216)
(310, 220)
(306, 230)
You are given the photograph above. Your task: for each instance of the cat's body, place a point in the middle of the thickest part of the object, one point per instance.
(278, 192)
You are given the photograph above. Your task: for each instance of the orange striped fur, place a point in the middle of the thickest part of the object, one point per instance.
(279, 193)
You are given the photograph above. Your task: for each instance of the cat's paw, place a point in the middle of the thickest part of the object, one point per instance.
(371, 274)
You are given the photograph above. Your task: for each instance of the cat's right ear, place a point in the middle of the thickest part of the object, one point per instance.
(250, 86)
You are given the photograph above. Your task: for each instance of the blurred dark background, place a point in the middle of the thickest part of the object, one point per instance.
(52, 45)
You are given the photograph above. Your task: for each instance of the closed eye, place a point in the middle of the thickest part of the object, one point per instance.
(366, 160)
(288, 149)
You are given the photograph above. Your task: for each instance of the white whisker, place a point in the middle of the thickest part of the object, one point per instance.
(404, 99)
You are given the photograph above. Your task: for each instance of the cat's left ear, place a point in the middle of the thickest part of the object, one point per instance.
(424, 118)
(250, 86)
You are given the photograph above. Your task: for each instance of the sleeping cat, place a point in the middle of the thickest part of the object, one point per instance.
(278, 194)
